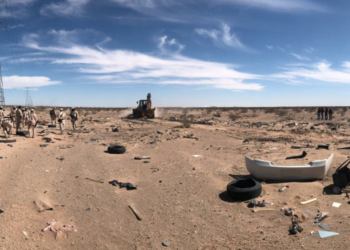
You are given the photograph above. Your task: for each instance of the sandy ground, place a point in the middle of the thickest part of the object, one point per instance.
(180, 198)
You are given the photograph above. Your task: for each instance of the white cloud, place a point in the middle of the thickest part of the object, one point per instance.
(165, 45)
(300, 57)
(278, 5)
(18, 82)
(222, 37)
(269, 47)
(122, 66)
(65, 8)
(320, 71)
(309, 50)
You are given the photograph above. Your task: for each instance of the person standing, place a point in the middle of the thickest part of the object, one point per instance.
(32, 122)
(62, 120)
(2, 114)
(322, 113)
(26, 114)
(74, 118)
(19, 118)
(13, 115)
(318, 113)
(53, 116)
(326, 114)
(330, 112)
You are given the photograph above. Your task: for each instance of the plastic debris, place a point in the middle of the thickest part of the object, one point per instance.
(262, 209)
(336, 204)
(325, 227)
(307, 212)
(254, 203)
(165, 243)
(298, 156)
(142, 157)
(308, 201)
(195, 156)
(295, 227)
(283, 188)
(326, 234)
(128, 185)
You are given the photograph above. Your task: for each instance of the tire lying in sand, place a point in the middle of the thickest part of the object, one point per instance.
(116, 149)
(8, 141)
(244, 189)
(22, 133)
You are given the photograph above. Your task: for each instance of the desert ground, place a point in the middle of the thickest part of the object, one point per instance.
(182, 199)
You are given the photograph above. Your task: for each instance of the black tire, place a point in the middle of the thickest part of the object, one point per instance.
(52, 126)
(244, 189)
(116, 149)
(22, 133)
(8, 141)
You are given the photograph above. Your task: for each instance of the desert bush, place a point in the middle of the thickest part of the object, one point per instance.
(186, 121)
(281, 112)
(270, 110)
(217, 114)
(343, 111)
(298, 110)
(243, 111)
(233, 116)
(208, 110)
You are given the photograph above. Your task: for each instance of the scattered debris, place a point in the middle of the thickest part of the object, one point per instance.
(300, 147)
(115, 130)
(165, 243)
(283, 188)
(66, 228)
(308, 201)
(325, 227)
(99, 181)
(47, 139)
(142, 158)
(326, 234)
(263, 209)
(127, 185)
(336, 204)
(320, 217)
(297, 157)
(287, 212)
(1, 211)
(196, 156)
(253, 203)
(323, 147)
(307, 212)
(43, 145)
(190, 137)
(295, 227)
(135, 212)
(265, 170)
(42, 206)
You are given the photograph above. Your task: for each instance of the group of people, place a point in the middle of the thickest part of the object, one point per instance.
(21, 117)
(61, 118)
(325, 113)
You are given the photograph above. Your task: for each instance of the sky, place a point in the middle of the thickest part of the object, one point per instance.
(187, 53)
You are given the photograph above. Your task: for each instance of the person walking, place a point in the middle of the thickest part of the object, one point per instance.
(62, 120)
(26, 114)
(330, 112)
(53, 116)
(74, 118)
(32, 122)
(326, 114)
(322, 113)
(19, 118)
(13, 115)
(318, 113)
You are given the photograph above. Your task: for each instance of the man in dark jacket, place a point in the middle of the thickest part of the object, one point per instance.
(330, 112)
(326, 114)
(322, 113)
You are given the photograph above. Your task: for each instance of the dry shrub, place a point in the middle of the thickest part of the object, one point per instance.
(270, 110)
(209, 110)
(233, 116)
(281, 112)
(298, 110)
(343, 111)
(243, 111)
(186, 121)
(217, 114)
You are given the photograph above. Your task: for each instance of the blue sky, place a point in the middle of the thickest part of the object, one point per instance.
(111, 53)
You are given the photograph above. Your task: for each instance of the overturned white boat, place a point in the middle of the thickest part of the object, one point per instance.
(265, 170)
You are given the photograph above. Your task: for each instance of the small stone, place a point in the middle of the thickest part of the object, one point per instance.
(165, 243)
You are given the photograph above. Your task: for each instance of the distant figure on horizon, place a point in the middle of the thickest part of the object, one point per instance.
(326, 114)
(32, 122)
(322, 113)
(74, 116)
(318, 113)
(53, 116)
(330, 112)
(61, 120)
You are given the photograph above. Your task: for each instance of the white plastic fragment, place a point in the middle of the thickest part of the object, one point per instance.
(195, 156)
(336, 204)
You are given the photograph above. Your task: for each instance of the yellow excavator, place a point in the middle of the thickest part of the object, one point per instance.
(144, 109)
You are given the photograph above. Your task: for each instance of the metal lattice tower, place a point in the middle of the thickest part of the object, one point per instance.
(2, 95)
(29, 102)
